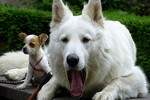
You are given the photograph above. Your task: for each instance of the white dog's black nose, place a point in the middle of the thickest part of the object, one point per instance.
(72, 60)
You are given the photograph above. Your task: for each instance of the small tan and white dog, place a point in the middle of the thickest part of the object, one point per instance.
(38, 64)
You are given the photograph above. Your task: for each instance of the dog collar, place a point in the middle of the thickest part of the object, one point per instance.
(34, 66)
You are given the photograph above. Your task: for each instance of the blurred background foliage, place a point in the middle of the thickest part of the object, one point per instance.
(139, 7)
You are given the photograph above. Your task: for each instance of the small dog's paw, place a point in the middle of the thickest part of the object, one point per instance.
(22, 86)
(103, 96)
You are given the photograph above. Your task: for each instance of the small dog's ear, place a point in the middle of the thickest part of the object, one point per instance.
(42, 38)
(22, 35)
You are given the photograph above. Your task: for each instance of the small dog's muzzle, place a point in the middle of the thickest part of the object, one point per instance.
(25, 50)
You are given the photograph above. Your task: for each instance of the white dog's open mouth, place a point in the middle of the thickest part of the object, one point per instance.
(76, 79)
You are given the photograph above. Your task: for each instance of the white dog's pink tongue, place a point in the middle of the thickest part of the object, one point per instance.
(76, 85)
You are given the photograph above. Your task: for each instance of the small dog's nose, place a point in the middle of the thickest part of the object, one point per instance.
(25, 50)
(72, 60)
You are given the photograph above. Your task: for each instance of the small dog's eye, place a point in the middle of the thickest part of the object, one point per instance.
(64, 40)
(85, 40)
(32, 45)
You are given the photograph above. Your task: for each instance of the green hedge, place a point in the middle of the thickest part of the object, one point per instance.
(14, 21)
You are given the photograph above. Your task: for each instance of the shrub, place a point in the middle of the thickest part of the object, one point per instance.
(139, 7)
(13, 21)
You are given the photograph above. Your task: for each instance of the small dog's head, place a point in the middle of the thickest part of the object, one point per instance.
(33, 42)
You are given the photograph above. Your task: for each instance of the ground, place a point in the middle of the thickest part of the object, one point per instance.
(9, 92)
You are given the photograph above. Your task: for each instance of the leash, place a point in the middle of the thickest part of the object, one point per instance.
(43, 81)
(34, 66)
(11, 82)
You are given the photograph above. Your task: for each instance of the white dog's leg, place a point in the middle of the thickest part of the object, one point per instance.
(48, 90)
(133, 85)
(16, 74)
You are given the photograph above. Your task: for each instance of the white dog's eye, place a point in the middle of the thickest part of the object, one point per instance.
(65, 40)
(85, 40)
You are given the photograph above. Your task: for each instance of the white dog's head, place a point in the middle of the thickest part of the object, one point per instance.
(72, 42)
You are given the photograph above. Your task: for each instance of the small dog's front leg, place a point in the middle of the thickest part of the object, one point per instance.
(48, 90)
(27, 79)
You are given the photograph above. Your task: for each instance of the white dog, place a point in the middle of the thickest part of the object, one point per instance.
(91, 57)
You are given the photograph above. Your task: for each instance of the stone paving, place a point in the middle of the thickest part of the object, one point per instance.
(9, 91)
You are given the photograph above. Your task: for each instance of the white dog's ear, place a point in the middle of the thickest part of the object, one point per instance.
(42, 38)
(59, 12)
(94, 11)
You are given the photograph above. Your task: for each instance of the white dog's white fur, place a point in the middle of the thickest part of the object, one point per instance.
(104, 49)
(11, 60)
(16, 73)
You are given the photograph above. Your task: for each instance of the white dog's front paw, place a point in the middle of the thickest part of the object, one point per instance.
(16, 74)
(48, 91)
(103, 96)
(43, 95)
(22, 86)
